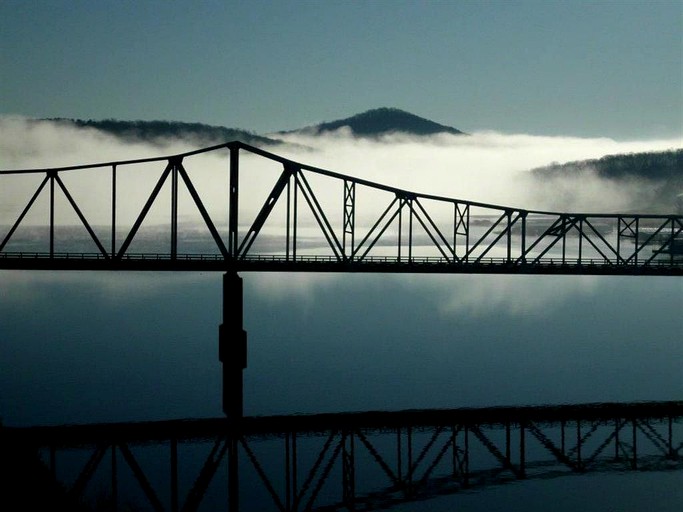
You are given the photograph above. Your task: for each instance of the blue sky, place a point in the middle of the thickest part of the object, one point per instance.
(590, 69)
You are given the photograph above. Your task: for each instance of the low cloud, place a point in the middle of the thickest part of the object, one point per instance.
(487, 167)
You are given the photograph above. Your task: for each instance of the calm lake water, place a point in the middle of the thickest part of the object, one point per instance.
(93, 347)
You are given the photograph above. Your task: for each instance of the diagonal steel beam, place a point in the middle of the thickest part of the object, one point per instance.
(145, 210)
(202, 210)
(88, 470)
(430, 221)
(314, 470)
(507, 230)
(378, 458)
(483, 237)
(24, 212)
(504, 461)
(81, 217)
(262, 474)
(265, 211)
(141, 478)
(376, 227)
(196, 494)
(550, 446)
(319, 214)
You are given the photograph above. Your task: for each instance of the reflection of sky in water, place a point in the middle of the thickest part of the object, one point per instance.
(101, 347)
(89, 347)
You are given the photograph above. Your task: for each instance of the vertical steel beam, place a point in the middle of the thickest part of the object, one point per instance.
(507, 441)
(174, 209)
(578, 445)
(635, 242)
(523, 214)
(454, 454)
(509, 237)
(466, 461)
(296, 216)
(289, 218)
(399, 458)
(114, 479)
(113, 210)
(52, 175)
(410, 461)
(349, 216)
(410, 232)
(288, 465)
(174, 475)
(564, 239)
(671, 438)
(616, 439)
(581, 241)
(233, 471)
(53, 462)
(400, 228)
(634, 462)
(522, 451)
(295, 483)
(563, 437)
(348, 471)
(233, 208)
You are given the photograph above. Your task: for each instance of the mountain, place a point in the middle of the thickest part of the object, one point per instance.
(381, 121)
(157, 131)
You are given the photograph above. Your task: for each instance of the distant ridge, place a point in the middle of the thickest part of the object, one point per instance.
(652, 165)
(660, 173)
(381, 121)
(157, 131)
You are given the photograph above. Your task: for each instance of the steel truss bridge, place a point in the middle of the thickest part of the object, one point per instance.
(358, 461)
(257, 211)
(309, 219)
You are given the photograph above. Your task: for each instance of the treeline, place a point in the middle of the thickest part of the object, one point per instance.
(654, 166)
(152, 131)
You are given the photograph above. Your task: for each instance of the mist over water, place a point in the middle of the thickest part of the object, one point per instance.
(484, 166)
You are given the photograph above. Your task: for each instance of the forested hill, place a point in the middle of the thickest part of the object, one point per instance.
(655, 179)
(381, 121)
(155, 131)
(654, 166)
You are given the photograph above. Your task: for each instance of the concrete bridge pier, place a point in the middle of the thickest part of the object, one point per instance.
(232, 352)
(232, 346)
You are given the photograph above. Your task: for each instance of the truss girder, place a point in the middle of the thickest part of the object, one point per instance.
(448, 233)
(412, 459)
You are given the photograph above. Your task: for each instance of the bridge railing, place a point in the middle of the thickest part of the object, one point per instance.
(244, 205)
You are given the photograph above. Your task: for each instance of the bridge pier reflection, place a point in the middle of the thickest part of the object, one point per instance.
(232, 352)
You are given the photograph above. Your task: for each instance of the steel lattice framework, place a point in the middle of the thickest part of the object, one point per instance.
(362, 461)
(313, 219)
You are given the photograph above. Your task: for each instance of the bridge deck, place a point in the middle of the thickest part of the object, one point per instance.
(261, 263)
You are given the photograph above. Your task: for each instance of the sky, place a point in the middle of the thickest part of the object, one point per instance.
(568, 68)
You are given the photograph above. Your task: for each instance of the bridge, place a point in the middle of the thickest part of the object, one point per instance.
(234, 208)
(307, 220)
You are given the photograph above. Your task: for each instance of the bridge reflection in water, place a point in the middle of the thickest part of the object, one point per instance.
(355, 461)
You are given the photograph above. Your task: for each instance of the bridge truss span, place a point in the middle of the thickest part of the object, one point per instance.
(237, 207)
(353, 461)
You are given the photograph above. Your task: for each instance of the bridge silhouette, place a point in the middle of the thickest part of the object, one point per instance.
(256, 211)
(365, 227)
